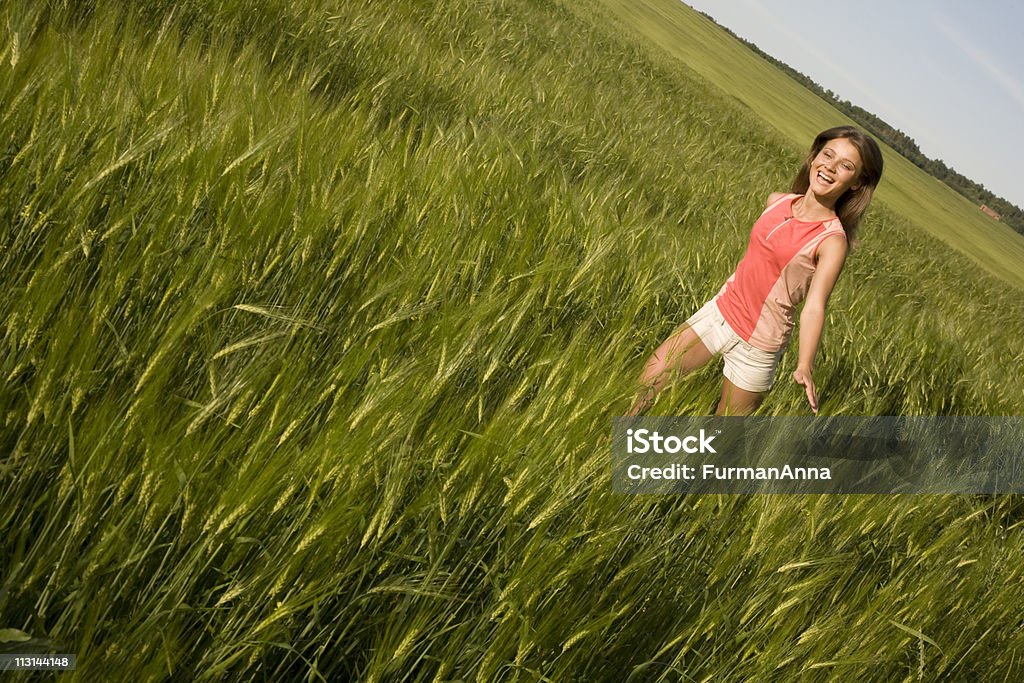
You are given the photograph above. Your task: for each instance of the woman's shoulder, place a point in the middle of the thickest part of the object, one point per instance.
(775, 197)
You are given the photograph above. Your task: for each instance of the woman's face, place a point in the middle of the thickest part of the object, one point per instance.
(835, 170)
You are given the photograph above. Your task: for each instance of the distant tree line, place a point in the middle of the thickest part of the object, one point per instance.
(901, 142)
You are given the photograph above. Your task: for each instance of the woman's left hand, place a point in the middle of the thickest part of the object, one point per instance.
(803, 376)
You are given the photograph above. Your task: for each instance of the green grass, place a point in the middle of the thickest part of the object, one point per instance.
(317, 315)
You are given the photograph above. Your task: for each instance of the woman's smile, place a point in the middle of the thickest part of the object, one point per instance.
(835, 169)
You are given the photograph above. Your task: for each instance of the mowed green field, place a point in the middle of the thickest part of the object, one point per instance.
(317, 314)
(798, 114)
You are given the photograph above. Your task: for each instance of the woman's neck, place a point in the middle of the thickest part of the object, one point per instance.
(810, 208)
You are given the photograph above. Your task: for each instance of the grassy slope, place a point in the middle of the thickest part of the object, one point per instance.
(318, 314)
(799, 114)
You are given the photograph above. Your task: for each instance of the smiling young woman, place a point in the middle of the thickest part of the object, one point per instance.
(796, 252)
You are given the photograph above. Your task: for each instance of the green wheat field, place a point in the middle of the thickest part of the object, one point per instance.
(316, 315)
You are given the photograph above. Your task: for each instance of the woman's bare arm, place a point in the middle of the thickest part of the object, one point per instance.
(831, 257)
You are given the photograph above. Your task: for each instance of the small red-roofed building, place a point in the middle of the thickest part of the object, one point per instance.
(990, 213)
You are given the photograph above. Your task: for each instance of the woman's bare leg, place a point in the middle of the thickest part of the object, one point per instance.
(681, 353)
(736, 401)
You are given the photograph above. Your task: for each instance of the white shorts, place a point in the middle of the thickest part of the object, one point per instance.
(746, 367)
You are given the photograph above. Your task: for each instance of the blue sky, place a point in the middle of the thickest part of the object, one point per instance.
(949, 74)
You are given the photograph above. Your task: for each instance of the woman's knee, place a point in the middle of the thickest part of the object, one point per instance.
(736, 401)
